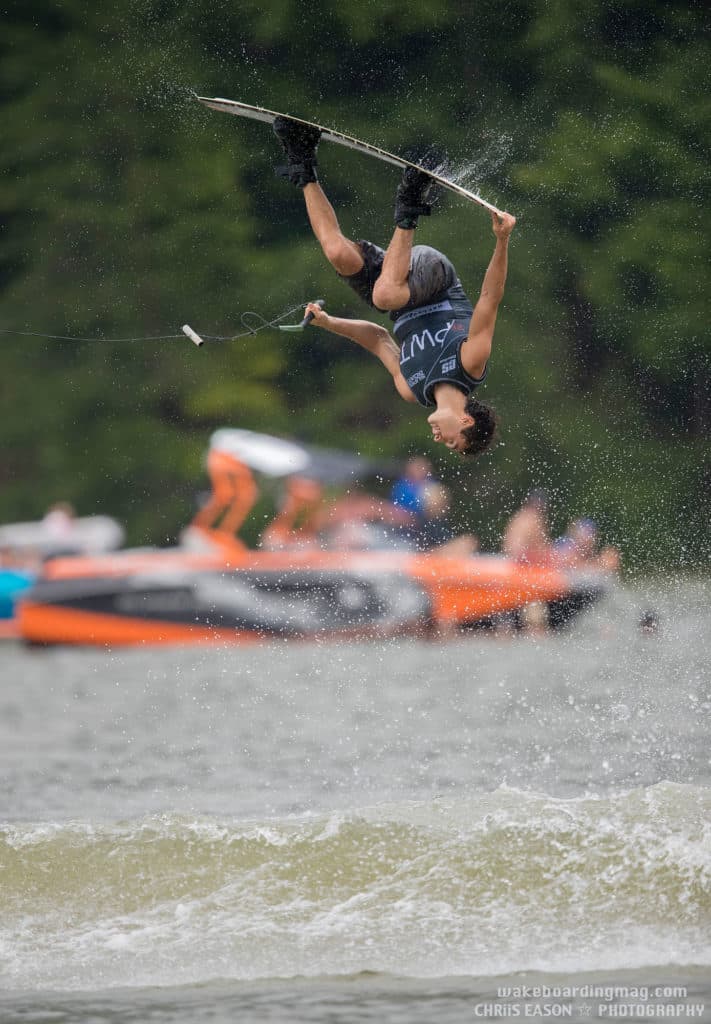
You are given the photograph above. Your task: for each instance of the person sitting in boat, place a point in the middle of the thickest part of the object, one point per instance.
(443, 343)
(526, 537)
(365, 522)
(579, 548)
(408, 491)
(58, 521)
(433, 532)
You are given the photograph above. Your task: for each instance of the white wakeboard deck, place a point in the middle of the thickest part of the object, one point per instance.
(331, 135)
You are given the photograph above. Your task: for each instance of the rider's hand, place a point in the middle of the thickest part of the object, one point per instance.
(320, 316)
(503, 224)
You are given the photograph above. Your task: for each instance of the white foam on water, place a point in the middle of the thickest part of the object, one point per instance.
(493, 884)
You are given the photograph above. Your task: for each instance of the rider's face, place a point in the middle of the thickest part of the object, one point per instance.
(447, 428)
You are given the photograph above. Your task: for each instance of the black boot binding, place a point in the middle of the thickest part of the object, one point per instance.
(417, 191)
(299, 142)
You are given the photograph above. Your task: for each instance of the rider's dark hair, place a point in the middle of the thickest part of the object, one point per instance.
(483, 430)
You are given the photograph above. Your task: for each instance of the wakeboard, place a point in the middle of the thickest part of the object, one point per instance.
(332, 135)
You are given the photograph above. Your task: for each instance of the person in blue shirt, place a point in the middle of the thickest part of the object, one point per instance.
(408, 490)
(443, 341)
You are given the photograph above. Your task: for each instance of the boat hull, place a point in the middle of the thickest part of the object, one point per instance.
(164, 598)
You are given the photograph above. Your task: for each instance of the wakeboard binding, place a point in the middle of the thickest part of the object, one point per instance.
(299, 142)
(417, 191)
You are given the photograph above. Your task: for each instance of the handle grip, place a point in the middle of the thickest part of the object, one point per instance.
(309, 316)
(193, 335)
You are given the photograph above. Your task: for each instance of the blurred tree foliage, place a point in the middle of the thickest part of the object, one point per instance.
(127, 210)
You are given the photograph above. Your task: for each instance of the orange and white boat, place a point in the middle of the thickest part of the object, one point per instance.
(23, 547)
(213, 589)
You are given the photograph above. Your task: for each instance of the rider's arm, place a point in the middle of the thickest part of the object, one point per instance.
(369, 336)
(476, 349)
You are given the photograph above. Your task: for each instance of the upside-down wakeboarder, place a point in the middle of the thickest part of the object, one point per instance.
(443, 343)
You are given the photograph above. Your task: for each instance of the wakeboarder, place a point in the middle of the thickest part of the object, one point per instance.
(443, 342)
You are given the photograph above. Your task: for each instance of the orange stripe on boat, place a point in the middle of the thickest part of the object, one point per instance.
(46, 624)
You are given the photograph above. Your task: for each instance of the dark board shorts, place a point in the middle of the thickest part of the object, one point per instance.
(431, 273)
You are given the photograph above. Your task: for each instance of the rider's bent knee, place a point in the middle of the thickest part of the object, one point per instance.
(390, 296)
(343, 255)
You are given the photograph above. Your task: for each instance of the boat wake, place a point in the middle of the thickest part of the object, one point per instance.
(493, 884)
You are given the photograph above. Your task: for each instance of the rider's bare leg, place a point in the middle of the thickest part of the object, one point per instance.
(343, 254)
(392, 290)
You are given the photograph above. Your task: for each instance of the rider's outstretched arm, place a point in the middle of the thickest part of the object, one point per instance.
(477, 348)
(370, 336)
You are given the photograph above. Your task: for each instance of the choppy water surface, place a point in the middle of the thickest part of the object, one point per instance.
(380, 832)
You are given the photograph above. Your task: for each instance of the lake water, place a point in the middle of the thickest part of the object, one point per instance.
(404, 831)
